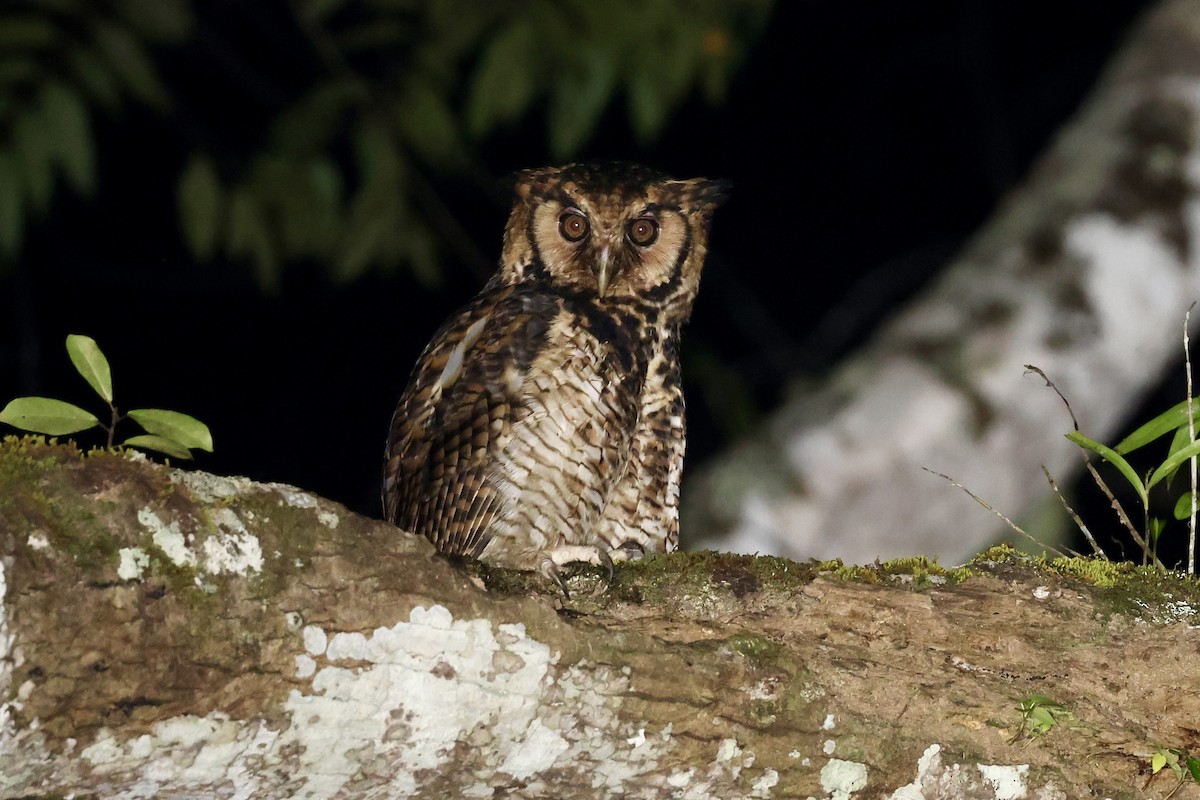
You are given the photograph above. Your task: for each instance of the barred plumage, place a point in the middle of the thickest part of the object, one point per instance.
(544, 423)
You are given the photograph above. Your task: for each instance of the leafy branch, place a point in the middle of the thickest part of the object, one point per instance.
(168, 432)
(335, 170)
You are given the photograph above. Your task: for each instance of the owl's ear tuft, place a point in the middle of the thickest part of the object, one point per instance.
(532, 183)
(702, 194)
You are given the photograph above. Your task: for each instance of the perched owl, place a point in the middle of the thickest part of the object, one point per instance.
(544, 423)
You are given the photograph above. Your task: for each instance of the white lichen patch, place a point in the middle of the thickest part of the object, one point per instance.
(762, 787)
(232, 548)
(296, 498)
(428, 706)
(306, 667)
(927, 767)
(208, 488)
(189, 753)
(229, 549)
(315, 640)
(37, 541)
(1007, 782)
(841, 779)
(133, 562)
(6, 663)
(728, 750)
(936, 779)
(423, 693)
(167, 538)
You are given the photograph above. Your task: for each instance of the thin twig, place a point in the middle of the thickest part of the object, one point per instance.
(1121, 515)
(1116, 505)
(1176, 789)
(1061, 396)
(1087, 534)
(984, 503)
(1187, 367)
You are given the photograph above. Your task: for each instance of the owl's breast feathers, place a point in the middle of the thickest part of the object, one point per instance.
(517, 423)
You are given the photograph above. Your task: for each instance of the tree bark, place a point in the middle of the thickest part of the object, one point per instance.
(1086, 271)
(175, 634)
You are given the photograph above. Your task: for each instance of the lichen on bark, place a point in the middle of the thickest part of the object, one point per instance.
(272, 644)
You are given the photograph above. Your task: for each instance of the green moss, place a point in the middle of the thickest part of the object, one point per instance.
(758, 649)
(920, 571)
(1096, 571)
(1120, 587)
(998, 554)
(706, 573)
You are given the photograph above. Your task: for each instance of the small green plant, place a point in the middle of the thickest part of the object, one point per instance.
(1039, 714)
(1181, 420)
(1175, 421)
(168, 432)
(1183, 765)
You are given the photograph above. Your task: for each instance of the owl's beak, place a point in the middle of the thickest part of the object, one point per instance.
(602, 272)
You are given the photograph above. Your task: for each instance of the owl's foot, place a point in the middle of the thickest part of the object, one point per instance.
(628, 550)
(571, 554)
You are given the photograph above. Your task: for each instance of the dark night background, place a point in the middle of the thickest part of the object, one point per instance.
(866, 142)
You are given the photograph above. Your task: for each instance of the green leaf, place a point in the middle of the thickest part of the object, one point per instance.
(19, 72)
(1031, 701)
(91, 364)
(1193, 766)
(12, 214)
(1172, 463)
(1113, 457)
(182, 428)
(320, 9)
(505, 83)
(159, 444)
(34, 158)
(157, 20)
(48, 416)
(1157, 762)
(660, 75)
(131, 63)
(94, 77)
(1183, 507)
(427, 123)
(200, 207)
(68, 131)
(306, 127)
(364, 234)
(250, 237)
(26, 32)
(579, 96)
(1171, 419)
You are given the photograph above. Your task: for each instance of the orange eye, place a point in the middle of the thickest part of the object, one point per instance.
(573, 226)
(643, 232)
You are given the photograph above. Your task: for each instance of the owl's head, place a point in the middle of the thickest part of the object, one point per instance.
(613, 231)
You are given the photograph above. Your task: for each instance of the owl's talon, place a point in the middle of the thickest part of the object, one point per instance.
(551, 571)
(605, 561)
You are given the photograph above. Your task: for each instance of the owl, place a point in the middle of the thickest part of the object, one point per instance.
(544, 423)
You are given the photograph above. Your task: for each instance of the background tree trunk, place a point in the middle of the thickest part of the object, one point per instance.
(175, 634)
(1086, 272)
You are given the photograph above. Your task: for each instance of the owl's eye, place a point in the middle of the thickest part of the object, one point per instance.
(643, 232)
(573, 226)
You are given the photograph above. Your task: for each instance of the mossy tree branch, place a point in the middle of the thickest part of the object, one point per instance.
(183, 634)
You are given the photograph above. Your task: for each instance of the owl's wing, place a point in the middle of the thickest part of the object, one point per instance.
(456, 411)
